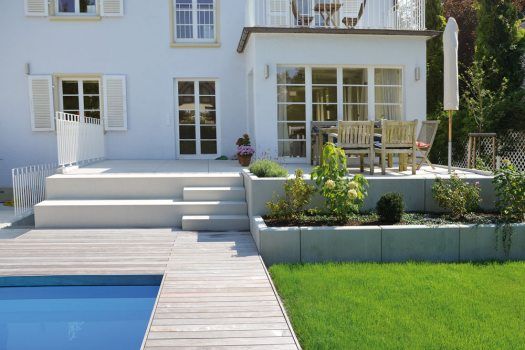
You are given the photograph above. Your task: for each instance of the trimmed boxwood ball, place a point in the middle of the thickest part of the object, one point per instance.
(390, 208)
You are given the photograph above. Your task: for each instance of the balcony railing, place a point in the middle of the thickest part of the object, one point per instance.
(342, 14)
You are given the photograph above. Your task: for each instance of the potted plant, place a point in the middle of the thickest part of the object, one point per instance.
(245, 150)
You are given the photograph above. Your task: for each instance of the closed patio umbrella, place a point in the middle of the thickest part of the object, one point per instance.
(451, 78)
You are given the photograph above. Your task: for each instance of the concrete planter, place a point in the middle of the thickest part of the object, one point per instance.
(450, 243)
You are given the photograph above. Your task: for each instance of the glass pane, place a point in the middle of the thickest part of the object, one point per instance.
(388, 95)
(288, 75)
(322, 113)
(355, 94)
(292, 131)
(66, 6)
(187, 132)
(186, 117)
(324, 76)
(184, 32)
(92, 114)
(209, 118)
(91, 88)
(207, 102)
(206, 31)
(392, 112)
(70, 87)
(88, 6)
(292, 149)
(188, 147)
(352, 76)
(208, 133)
(322, 94)
(70, 102)
(208, 147)
(91, 102)
(292, 112)
(186, 88)
(186, 102)
(292, 94)
(355, 112)
(207, 88)
(72, 112)
(388, 76)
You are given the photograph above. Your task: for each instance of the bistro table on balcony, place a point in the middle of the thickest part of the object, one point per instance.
(328, 10)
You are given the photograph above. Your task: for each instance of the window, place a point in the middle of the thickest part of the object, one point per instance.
(355, 94)
(291, 118)
(195, 20)
(324, 94)
(197, 118)
(389, 94)
(81, 97)
(76, 7)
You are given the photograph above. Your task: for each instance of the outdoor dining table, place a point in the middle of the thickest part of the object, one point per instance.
(328, 12)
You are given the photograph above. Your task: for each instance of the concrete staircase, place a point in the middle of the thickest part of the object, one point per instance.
(194, 202)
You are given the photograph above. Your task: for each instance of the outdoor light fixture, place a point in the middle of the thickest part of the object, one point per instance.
(27, 69)
(266, 71)
(418, 73)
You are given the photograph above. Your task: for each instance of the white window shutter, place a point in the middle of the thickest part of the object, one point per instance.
(37, 8)
(112, 8)
(41, 102)
(115, 104)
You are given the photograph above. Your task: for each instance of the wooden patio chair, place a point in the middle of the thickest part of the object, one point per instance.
(425, 140)
(397, 137)
(351, 22)
(357, 138)
(303, 18)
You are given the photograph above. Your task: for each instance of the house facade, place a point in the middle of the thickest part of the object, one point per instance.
(183, 79)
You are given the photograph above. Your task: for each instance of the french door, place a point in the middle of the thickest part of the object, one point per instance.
(197, 119)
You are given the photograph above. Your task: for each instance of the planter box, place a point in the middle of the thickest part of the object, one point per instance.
(484, 242)
(322, 244)
(277, 245)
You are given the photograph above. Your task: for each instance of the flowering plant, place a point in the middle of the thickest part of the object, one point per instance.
(245, 150)
(244, 141)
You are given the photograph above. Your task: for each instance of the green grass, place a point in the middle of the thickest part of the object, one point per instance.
(405, 306)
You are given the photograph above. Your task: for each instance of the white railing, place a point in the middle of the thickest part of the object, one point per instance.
(80, 140)
(29, 187)
(343, 14)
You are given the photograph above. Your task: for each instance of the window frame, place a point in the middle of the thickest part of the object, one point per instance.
(77, 12)
(195, 41)
(80, 81)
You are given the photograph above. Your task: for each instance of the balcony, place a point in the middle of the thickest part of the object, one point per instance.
(387, 17)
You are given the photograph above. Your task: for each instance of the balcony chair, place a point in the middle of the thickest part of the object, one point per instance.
(425, 140)
(302, 11)
(357, 138)
(351, 22)
(397, 137)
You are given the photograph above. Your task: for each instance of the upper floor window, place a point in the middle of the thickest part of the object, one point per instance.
(76, 7)
(195, 20)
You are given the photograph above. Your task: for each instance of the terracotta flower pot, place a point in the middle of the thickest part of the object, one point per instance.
(245, 160)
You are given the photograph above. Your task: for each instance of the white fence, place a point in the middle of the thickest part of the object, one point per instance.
(29, 187)
(359, 14)
(80, 140)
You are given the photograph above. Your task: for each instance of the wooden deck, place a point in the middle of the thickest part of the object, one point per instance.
(215, 294)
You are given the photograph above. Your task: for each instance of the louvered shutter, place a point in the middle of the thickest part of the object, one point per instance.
(41, 102)
(36, 8)
(115, 109)
(112, 8)
(278, 13)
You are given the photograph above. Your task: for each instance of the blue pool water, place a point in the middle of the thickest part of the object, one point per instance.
(75, 317)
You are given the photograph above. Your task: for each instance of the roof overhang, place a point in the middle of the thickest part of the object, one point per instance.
(248, 31)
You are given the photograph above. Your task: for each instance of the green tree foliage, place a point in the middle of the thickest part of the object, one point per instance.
(435, 21)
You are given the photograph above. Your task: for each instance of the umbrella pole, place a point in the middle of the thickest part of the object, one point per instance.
(449, 142)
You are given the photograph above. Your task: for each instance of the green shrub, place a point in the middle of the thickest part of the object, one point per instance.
(457, 196)
(297, 196)
(343, 196)
(391, 208)
(509, 183)
(268, 168)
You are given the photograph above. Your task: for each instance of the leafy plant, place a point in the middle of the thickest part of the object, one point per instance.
(509, 183)
(268, 168)
(391, 208)
(457, 196)
(297, 196)
(343, 196)
(244, 141)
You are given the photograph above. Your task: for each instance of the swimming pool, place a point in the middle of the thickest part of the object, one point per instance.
(108, 313)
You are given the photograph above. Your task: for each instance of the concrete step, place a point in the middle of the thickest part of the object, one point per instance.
(214, 194)
(133, 186)
(127, 213)
(215, 223)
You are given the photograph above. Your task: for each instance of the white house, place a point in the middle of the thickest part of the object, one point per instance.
(148, 68)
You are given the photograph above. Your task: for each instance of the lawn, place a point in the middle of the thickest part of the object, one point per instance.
(405, 306)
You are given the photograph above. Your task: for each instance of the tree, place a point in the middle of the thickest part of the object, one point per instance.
(497, 43)
(435, 21)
